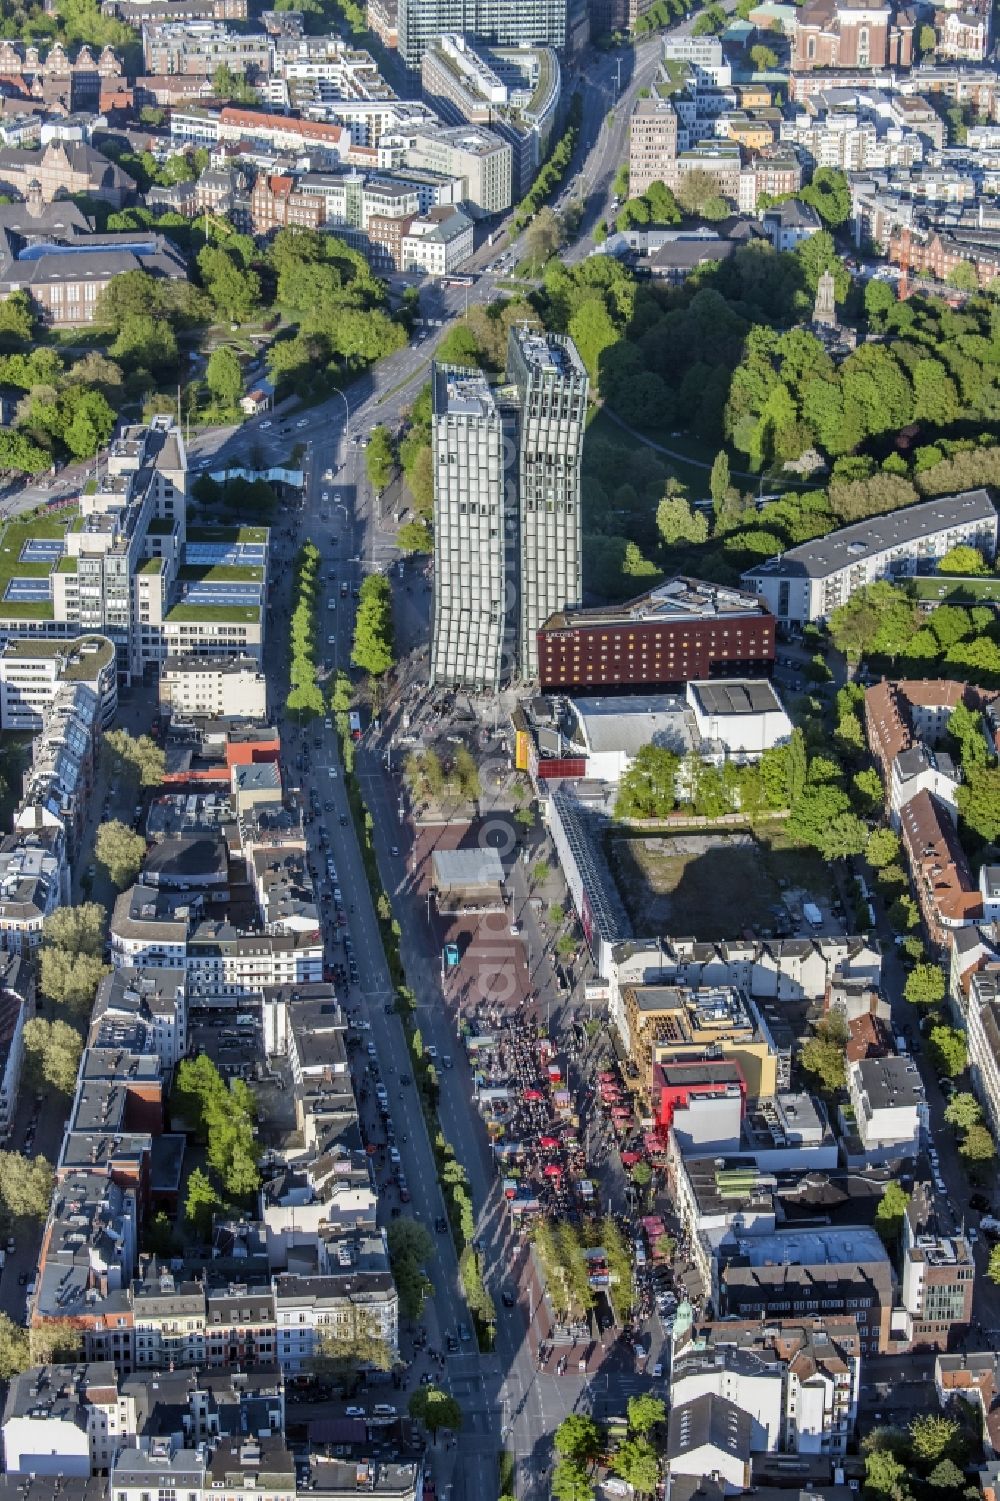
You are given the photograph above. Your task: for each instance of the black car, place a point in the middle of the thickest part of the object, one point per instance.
(980, 1203)
(440, 1224)
(508, 1300)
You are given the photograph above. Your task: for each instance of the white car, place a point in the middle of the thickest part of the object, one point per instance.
(332, 770)
(331, 640)
(325, 495)
(302, 422)
(336, 498)
(355, 1412)
(265, 425)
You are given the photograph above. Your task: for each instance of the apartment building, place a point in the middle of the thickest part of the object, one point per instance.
(17, 1004)
(343, 1306)
(31, 671)
(509, 23)
(852, 141)
(982, 1026)
(479, 157)
(938, 1276)
(682, 629)
(946, 893)
(58, 786)
(142, 1011)
(798, 1381)
(200, 47)
(652, 144)
(217, 687)
(807, 582)
(841, 1271)
(552, 389)
(888, 1110)
(905, 722)
(34, 881)
(668, 1024)
(436, 243)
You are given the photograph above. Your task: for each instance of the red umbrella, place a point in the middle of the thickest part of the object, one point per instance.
(629, 1159)
(607, 1077)
(533, 1094)
(548, 1142)
(553, 1171)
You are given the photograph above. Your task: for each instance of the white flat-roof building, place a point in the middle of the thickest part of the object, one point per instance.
(809, 582)
(219, 687)
(737, 718)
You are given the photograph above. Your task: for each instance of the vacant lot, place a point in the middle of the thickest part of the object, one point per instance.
(712, 886)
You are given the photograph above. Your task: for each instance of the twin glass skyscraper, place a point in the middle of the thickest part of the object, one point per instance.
(507, 525)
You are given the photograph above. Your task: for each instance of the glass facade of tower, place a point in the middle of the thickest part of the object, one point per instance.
(552, 389)
(469, 584)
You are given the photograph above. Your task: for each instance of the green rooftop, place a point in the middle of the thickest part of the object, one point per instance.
(66, 565)
(932, 590)
(152, 565)
(234, 614)
(220, 574)
(160, 526)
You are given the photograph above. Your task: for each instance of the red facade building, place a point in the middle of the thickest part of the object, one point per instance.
(674, 1084)
(682, 630)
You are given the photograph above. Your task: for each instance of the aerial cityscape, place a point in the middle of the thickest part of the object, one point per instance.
(499, 750)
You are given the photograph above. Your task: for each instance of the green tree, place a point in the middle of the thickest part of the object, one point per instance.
(337, 1353)
(415, 536)
(882, 848)
(15, 1351)
(648, 787)
(435, 1409)
(373, 629)
(925, 985)
(884, 1474)
(578, 1438)
(122, 851)
(993, 1265)
(380, 458)
(855, 627)
(201, 1204)
(823, 1054)
(763, 58)
(948, 1050)
(56, 1342)
(341, 693)
(978, 799)
(932, 1435)
(677, 521)
(52, 1051)
(964, 277)
(829, 192)
(845, 835)
(946, 1476)
(926, 40)
(544, 237)
(140, 755)
(26, 1185)
(646, 1412)
(962, 560)
(69, 979)
(224, 376)
(637, 1462)
(978, 1145)
(962, 1111)
(233, 87)
(889, 1214)
(571, 1481)
(410, 1247)
(719, 479)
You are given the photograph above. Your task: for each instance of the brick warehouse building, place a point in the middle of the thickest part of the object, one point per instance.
(681, 630)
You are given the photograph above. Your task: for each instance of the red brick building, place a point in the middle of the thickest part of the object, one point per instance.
(852, 34)
(275, 204)
(681, 630)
